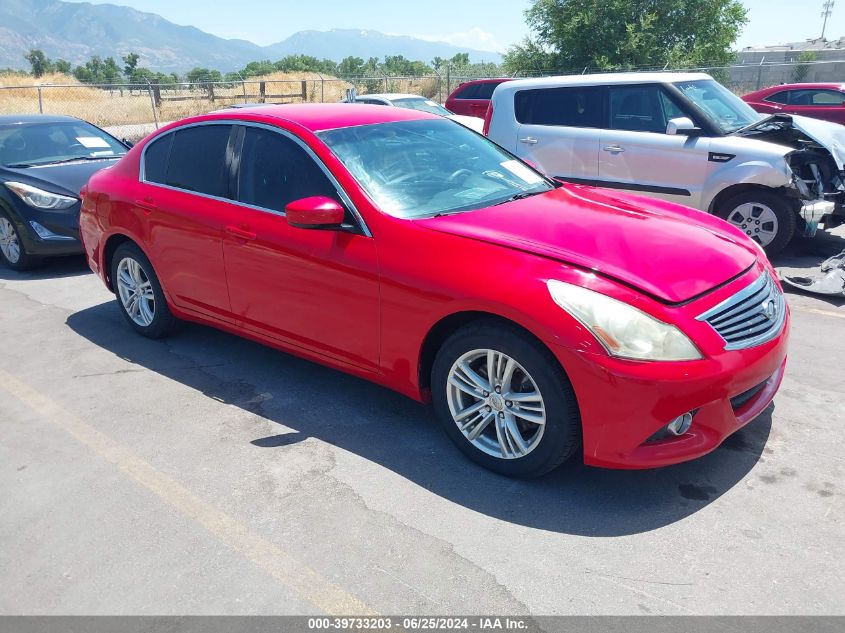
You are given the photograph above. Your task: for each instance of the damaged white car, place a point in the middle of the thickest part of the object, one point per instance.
(682, 137)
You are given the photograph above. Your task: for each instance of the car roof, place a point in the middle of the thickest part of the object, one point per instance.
(600, 79)
(317, 116)
(488, 80)
(805, 86)
(7, 119)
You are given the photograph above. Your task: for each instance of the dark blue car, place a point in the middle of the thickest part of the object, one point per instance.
(44, 162)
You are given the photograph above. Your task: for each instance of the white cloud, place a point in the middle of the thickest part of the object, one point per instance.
(474, 38)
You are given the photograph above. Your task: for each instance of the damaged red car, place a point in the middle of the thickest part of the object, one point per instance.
(543, 320)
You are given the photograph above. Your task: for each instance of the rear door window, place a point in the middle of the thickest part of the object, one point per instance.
(198, 160)
(469, 92)
(638, 108)
(778, 97)
(275, 170)
(580, 106)
(485, 90)
(811, 97)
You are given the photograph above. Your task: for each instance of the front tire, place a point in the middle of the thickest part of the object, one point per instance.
(765, 217)
(139, 295)
(12, 250)
(524, 422)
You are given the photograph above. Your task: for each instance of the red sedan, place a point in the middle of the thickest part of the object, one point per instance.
(818, 101)
(541, 319)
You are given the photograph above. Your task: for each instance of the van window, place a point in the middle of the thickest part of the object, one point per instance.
(637, 108)
(275, 171)
(579, 106)
(198, 160)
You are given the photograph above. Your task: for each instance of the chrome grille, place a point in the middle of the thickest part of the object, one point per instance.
(751, 317)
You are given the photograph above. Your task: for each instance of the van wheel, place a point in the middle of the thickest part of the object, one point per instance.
(765, 217)
(504, 401)
(139, 294)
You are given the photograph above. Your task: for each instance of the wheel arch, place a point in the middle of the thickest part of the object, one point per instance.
(734, 190)
(446, 326)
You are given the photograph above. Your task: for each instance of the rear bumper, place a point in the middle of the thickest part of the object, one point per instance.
(624, 404)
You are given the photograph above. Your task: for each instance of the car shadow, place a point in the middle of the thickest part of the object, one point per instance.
(50, 268)
(404, 436)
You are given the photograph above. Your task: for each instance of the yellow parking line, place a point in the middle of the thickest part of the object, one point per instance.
(838, 315)
(293, 574)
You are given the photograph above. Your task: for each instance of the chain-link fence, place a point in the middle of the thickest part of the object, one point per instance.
(133, 110)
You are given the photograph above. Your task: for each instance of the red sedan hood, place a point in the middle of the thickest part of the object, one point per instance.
(670, 252)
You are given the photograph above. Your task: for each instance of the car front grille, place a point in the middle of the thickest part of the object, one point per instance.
(753, 316)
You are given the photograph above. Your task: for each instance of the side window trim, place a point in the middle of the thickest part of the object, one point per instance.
(233, 165)
(347, 201)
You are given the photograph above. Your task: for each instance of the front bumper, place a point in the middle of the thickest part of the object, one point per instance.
(812, 213)
(625, 404)
(48, 233)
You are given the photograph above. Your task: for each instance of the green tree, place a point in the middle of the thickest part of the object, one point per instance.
(62, 66)
(802, 70)
(350, 67)
(39, 61)
(203, 75)
(627, 34)
(130, 63)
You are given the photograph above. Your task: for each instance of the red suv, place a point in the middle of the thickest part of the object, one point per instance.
(819, 101)
(473, 97)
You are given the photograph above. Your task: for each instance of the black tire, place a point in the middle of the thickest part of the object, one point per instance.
(783, 208)
(25, 261)
(163, 321)
(562, 433)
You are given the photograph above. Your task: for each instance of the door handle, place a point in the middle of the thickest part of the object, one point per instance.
(613, 149)
(529, 140)
(147, 204)
(241, 234)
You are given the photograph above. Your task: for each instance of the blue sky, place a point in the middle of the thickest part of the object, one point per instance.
(482, 24)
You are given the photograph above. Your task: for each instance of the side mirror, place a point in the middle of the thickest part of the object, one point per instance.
(317, 212)
(682, 126)
(127, 142)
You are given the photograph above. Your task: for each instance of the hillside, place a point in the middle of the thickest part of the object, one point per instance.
(75, 31)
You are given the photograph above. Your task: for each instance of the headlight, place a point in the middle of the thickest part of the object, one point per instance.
(623, 330)
(39, 198)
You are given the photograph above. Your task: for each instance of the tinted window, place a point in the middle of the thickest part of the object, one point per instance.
(815, 98)
(485, 90)
(779, 97)
(198, 160)
(469, 92)
(275, 171)
(574, 107)
(637, 108)
(155, 159)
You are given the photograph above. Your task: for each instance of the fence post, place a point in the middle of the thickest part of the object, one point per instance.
(322, 88)
(760, 73)
(448, 78)
(304, 91)
(40, 102)
(210, 87)
(153, 102)
(262, 91)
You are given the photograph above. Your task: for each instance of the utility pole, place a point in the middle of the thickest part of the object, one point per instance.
(827, 9)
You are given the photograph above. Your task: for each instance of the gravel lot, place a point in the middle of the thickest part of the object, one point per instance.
(205, 474)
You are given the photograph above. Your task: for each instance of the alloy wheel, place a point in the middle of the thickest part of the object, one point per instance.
(9, 243)
(496, 404)
(757, 221)
(135, 291)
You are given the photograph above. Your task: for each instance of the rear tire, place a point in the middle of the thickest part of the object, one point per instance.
(12, 250)
(765, 217)
(139, 294)
(532, 387)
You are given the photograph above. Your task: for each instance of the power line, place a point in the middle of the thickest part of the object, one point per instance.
(827, 9)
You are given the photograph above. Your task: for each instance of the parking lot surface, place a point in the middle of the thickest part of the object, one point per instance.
(205, 474)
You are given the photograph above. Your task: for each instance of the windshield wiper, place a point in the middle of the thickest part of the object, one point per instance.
(518, 196)
(65, 160)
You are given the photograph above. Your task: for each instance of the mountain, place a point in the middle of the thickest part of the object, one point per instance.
(339, 43)
(75, 31)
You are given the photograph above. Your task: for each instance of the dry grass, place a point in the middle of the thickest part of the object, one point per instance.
(120, 106)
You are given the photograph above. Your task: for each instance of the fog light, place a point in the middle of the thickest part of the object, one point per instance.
(46, 234)
(680, 425)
